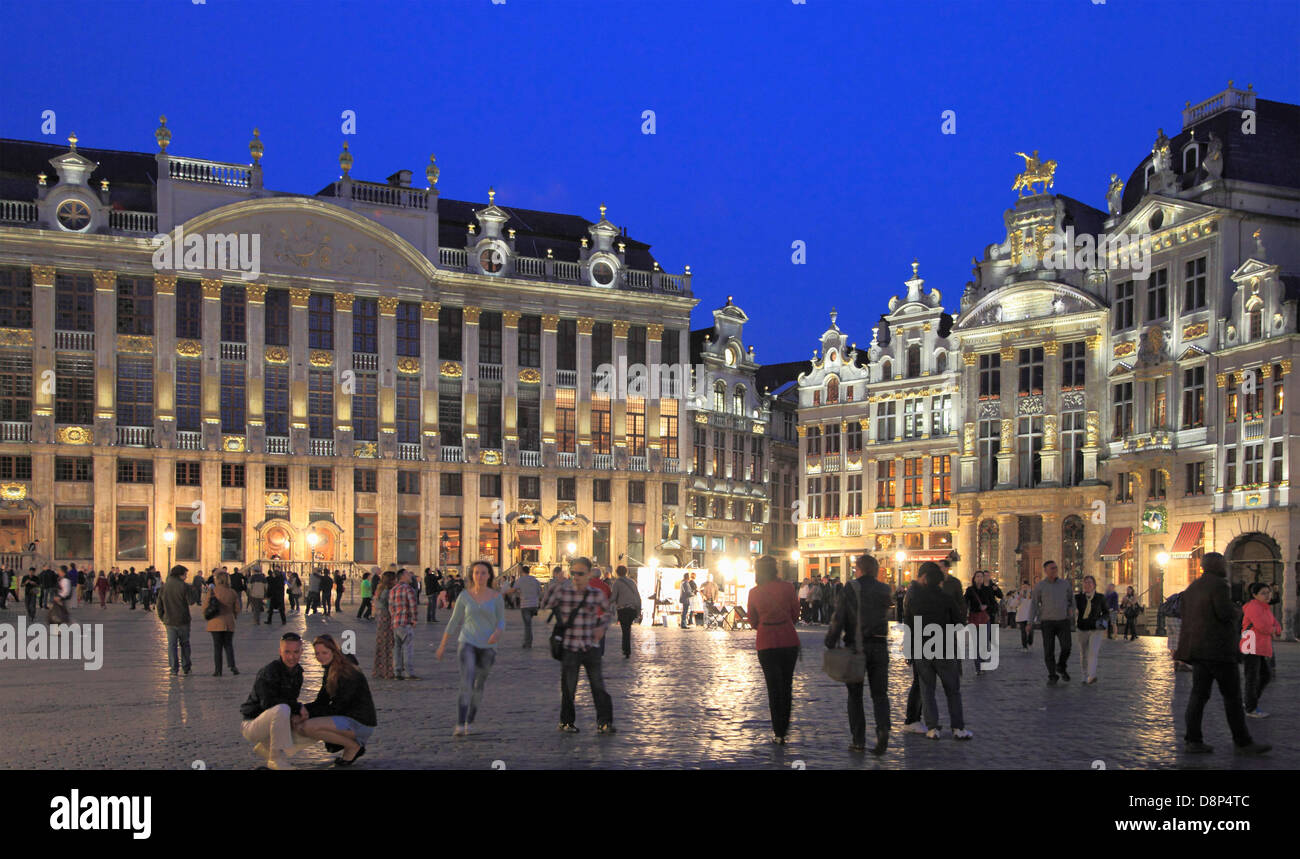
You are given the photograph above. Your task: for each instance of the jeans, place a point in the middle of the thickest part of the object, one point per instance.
(878, 679)
(178, 636)
(403, 650)
(778, 670)
(1258, 674)
(31, 605)
(475, 664)
(325, 602)
(574, 660)
(913, 712)
(431, 613)
(1089, 651)
(365, 609)
(272, 608)
(1054, 631)
(134, 595)
(946, 672)
(223, 641)
(338, 599)
(686, 614)
(313, 602)
(526, 615)
(627, 617)
(984, 633)
(47, 594)
(1026, 633)
(1204, 676)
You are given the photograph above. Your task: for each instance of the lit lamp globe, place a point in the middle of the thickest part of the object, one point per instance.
(900, 557)
(169, 534)
(313, 539)
(1163, 559)
(794, 555)
(572, 547)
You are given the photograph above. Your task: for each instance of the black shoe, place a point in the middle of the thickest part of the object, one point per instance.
(882, 743)
(1252, 749)
(333, 748)
(1065, 675)
(1051, 681)
(234, 670)
(342, 762)
(568, 728)
(187, 672)
(858, 746)
(607, 728)
(214, 673)
(1197, 748)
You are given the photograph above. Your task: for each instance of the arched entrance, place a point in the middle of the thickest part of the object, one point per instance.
(277, 542)
(1255, 557)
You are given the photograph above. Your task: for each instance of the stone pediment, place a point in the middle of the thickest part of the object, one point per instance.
(1026, 301)
(305, 237)
(1172, 211)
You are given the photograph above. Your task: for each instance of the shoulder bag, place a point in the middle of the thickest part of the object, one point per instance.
(213, 608)
(848, 664)
(557, 634)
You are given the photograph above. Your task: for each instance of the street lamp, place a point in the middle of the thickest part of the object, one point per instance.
(169, 537)
(900, 556)
(1162, 559)
(313, 540)
(573, 549)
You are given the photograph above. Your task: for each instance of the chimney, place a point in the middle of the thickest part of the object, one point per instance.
(400, 179)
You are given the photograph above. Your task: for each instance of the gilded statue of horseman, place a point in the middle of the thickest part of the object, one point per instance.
(1036, 173)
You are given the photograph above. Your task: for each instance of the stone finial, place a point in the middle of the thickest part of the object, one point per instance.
(622, 247)
(163, 135)
(602, 211)
(345, 160)
(255, 147)
(72, 141)
(511, 232)
(492, 196)
(915, 266)
(431, 172)
(688, 269)
(103, 185)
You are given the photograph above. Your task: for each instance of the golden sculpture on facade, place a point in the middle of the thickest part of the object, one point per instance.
(1036, 173)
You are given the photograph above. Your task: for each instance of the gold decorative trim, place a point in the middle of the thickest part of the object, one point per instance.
(73, 435)
(1051, 347)
(299, 296)
(15, 337)
(550, 322)
(1192, 332)
(510, 318)
(133, 344)
(276, 355)
(388, 305)
(759, 429)
(189, 348)
(1123, 350)
(969, 358)
(321, 358)
(451, 369)
(164, 284)
(585, 324)
(1285, 364)
(42, 275)
(1008, 353)
(343, 301)
(620, 327)
(530, 375)
(105, 281)
(13, 491)
(1093, 343)
(1221, 380)
(256, 293)
(234, 443)
(654, 331)
(801, 431)
(366, 450)
(211, 288)
(430, 310)
(489, 457)
(408, 366)
(277, 499)
(471, 315)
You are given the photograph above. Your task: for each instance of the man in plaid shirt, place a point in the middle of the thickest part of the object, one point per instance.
(402, 605)
(590, 610)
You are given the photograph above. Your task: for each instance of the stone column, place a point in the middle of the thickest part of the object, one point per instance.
(1098, 390)
(967, 534)
(386, 507)
(550, 322)
(1051, 541)
(387, 382)
(583, 405)
(430, 489)
(1006, 455)
(429, 376)
(211, 363)
(469, 514)
(656, 448)
(210, 511)
(1007, 470)
(105, 431)
(510, 391)
(618, 406)
(469, 415)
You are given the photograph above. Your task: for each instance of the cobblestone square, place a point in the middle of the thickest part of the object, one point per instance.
(686, 699)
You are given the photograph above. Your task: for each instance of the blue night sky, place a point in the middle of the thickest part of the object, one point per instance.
(776, 122)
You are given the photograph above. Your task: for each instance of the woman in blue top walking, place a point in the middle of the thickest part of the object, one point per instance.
(481, 619)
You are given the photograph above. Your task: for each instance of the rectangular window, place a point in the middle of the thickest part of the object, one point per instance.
(1252, 394)
(1158, 404)
(187, 535)
(135, 392)
(636, 345)
(1158, 295)
(449, 483)
(1230, 470)
(320, 403)
(1031, 371)
(408, 540)
(489, 337)
(530, 417)
(885, 421)
(940, 481)
(636, 539)
(320, 479)
(132, 533)
(719, 453)
(1279, 390)
(233, 397)
(830, 497)
(738, 456)
(489, 415)
(189, 310)
(1124, 488)
(701, 450)
(277, 476)
(408, 482)
(275, 399)
(912, 488)
(854, 500)
(600, 490)
(489, 486)
(636, 492)
(1195, 478)
(668, 427)
(1030, 449)
(277, 316)
(1072, 438)
(1122, 409)
(1159, 490)
(74, 531)
(530, 487)
(489, 541)
(365, 325)
(135, 305)
(885, 478)
(320, 321)
(365, 480)
(566, 345)
(670, 494)
(940, 416)
(1276, 476)
(602, 344)
(408, 409)
(989, 443)
(364, 528)
(16, 387)
(913, 417)
(566, 489)
(1073, 364)
(670, 348)
(1123, 308)
(1194, 284)
(76, 469)
(812, 499)
(232, 475)
(189, 474)
(408, 329)
(365, 407)
(600, 543)
(755, 459)
(990, 375)
(566, 432)
(814, 442)
(189, 395)
(450, 328)
(449, 411)
(601, 436)
(1253, 465)
(234, 314)
(530, 341)
(16, 468)
(853, 438)
(1193, 397)
(232, 535)
(449, 541)
(74, 301)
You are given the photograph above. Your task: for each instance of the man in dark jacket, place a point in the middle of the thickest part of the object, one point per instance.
(274, 595)
(273, 710)
(340, 581)
(174, 612)
(238, 584)
(1210, 641)
(930, 606)
(48, 580)
(868, 599)
(131, 588)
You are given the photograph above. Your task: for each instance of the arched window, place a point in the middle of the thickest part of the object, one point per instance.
(1191, 157)
(987, 551)
(886, 370)
(720, 397)
(1072, 551)
(1256, 326)
(738, 400)
(914, 361)
(941, 362)
(832, 390)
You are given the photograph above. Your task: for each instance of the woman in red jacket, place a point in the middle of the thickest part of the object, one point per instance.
(1257, 648)
(773, 610)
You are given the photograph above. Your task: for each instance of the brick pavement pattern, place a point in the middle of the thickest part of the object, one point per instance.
(686, 699)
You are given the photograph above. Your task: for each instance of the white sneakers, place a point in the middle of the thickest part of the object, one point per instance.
(1257, 714)
(914, 728)
(962, 735)
(933, 734)
(458, 731)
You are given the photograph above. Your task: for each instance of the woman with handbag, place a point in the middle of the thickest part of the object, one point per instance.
(773, 610)
(980, 601)
(219, 612)
(1131, 608)
(1258, 626)
(384, 628)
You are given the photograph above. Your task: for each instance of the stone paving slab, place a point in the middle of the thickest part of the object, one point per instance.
(686, 699)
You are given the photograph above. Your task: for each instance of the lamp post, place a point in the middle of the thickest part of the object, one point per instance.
(901, 557)
(313, 539)
(794, 556)
(169, 537)
(1162, 560)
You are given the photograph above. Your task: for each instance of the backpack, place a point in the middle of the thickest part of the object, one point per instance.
(1172, 607)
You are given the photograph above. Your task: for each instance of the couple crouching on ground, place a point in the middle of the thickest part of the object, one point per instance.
(342, 716)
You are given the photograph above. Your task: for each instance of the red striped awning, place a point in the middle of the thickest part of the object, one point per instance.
(1189, 537)
(530, 540)
(1113, 546)
(926, 554)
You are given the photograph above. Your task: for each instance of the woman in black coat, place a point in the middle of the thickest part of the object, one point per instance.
(343, 714)
(982, 605)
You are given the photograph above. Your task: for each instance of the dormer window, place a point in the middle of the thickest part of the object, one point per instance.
(602, 273)
(832, 390)
(1256, 323)
(1191, 157)
(886, 370)
(914, 361)
(738, 400)
(73, 215)
(492, 260)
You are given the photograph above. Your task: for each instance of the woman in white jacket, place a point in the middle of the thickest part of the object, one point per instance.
(1025, 617)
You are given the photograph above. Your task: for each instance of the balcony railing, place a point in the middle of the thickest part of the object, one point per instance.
(1254, 429)
(321, 447)
(17, 212)
(530, 458)
(277, 444)
(209, 172)
(567, 460)
(20, 431)
(830, 462)
(448, 453)
(939, 516)
(74, 341)
(134, 222)
(409, 451)
(365, 361)
(375, 194)
(672, 465)
(566, 378)
(234, 351)
(135, 436)
(636, 279)
(489, 372)
(604, 461)
(570, 271)
(851, 528)
(530, 267)
(186, 440)
(810, 529)
(637, 463)
(883, 520)
(453, 258)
